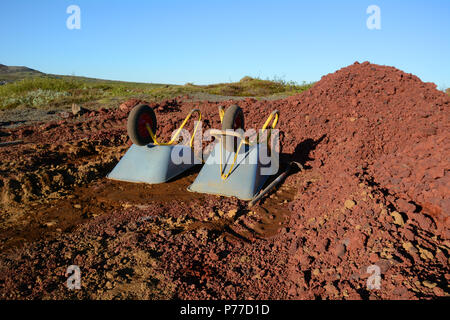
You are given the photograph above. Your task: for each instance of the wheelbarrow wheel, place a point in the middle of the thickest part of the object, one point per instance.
(233, 119)
(138, 119)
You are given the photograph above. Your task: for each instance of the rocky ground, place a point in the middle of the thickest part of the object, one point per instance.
(374, 190)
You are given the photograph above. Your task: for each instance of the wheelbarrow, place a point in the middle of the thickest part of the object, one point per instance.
(149, 160)
(234, 166)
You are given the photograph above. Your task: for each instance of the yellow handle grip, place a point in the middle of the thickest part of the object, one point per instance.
(177, 133)
(221, 113)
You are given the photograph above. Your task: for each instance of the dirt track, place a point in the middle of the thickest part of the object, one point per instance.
(375, 190)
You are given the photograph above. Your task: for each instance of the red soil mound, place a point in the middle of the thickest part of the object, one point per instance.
(387, 126)
(381, 133)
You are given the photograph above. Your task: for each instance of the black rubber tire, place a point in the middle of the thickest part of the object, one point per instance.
(233, 119)
(135, 130)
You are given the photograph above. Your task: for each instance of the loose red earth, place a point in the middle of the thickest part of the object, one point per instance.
(374, 190)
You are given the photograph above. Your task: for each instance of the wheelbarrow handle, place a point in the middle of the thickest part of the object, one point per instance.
(276, 114)
(216, 133)
(177, 133)
(221, 113)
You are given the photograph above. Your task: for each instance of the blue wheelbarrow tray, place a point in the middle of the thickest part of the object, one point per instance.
(246, 178)
(153, 163)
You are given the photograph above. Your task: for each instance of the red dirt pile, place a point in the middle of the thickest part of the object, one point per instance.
(381, 169)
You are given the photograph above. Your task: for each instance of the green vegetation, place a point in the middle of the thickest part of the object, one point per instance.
(52, 91)
(254, 87)
(58, 91)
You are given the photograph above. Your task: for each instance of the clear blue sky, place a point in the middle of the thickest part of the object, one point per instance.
(219, 41)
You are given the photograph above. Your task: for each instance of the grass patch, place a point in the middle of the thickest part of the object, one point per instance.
(56, 91)
(255, 87)
(52, 91)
